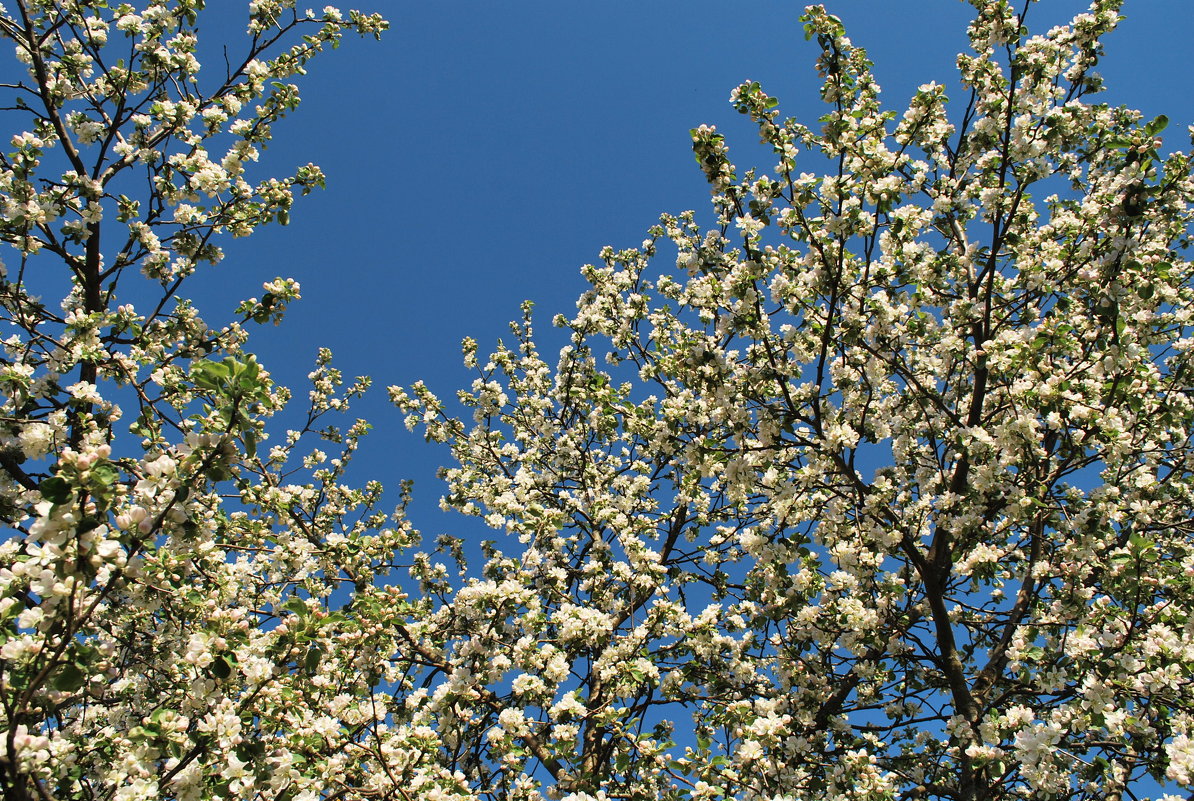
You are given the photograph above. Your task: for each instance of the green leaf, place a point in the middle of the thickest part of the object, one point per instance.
(68, 678)
(56, 489)
(210, 375)
(145, 733)
(297, 606)
(105, 473)
(221, 668)
(1138, 543)
(312, 658)
(160, 714)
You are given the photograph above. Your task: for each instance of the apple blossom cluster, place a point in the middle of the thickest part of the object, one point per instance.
(172, 581)
(884, 491)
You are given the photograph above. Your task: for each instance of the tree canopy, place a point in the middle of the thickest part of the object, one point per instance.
(876, 486)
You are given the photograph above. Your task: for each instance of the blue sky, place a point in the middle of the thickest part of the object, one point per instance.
(482, 152)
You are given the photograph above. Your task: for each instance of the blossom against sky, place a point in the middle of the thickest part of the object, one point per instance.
(481, 153)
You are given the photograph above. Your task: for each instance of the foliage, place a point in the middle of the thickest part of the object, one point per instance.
(883, 492)
(161, 592)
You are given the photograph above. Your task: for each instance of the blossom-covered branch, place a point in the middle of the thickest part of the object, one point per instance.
(885, 490)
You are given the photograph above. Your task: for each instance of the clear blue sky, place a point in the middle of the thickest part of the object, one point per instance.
(482, 152)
